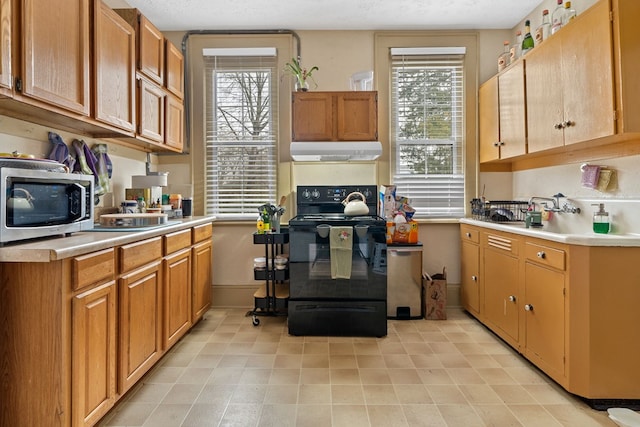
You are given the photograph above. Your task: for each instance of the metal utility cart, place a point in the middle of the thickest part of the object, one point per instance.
(271, 299)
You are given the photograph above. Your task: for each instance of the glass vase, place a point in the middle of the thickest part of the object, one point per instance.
(302, 85)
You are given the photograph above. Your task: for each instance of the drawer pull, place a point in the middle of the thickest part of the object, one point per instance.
(541, 255)
(468, 234)
(474, 278)
(528, 307)
(512, 298)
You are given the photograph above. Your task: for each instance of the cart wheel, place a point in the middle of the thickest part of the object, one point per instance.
(255, 321)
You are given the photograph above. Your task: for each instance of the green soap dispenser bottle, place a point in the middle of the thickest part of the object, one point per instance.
(601, 223)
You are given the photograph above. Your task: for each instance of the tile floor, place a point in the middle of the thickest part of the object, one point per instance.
(226, 372)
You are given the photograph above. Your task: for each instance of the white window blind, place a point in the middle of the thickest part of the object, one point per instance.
(427, 129)
(241, 132)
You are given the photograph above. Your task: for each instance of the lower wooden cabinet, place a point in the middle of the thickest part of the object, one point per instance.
(202, 270)
(470, 269)
(544, 318)
(79, 332)
(177, 296)
(568, 308)
(501, 284)
(140, 323)
(93, 353)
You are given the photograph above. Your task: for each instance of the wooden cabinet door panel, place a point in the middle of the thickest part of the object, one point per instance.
(151, 50)
(513, 126)
(202, 276)
(177, 296)
(545, 320)
(489, 124)
(357, 116)
(55, 53)
(545, 107)
(5, 44)
(114, 59)
(312, 116)
(174, 129)
(587, 76)
(140, 323)
(93, 365)
(174, 72)
(151, 110)
(500, 285)
(470, 291)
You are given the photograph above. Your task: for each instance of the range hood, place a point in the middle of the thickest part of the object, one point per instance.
(335, 151)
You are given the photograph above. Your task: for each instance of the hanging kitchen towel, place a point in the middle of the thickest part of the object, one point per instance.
(60, 151)
(340, 243)
(87, 163)
(104, 167)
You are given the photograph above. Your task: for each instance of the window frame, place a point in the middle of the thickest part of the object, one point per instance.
(383, 42)
(242, 200)
(195, 81)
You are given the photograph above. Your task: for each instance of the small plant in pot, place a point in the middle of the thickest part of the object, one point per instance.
(302, 75)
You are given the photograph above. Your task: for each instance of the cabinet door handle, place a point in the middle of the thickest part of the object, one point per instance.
(559, 126)
(496, 144)
(474, 278)
(468, 234)
(568, 123)
(541, 255)
(512, 298)
(528, 307)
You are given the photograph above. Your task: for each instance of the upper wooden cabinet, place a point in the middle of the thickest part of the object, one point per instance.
(174, 70)
(489, 123)
(581, 92)
(335, 116)
(5, 47)
(53, 65)
(565, 75)
(114, 69)
(160, 87)
(503, 127)
(150, 45)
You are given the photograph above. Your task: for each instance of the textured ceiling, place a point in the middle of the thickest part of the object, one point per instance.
(176, 15)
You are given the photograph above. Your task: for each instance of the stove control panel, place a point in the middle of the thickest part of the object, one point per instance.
(328, 198)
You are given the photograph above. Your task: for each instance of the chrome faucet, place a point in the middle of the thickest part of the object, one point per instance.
(555, 200)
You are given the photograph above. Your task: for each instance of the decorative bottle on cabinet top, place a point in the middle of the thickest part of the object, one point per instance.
(527, 42)
(569, 13)
(544, 30)
(556, 18)
(503, 59)
(516, 49)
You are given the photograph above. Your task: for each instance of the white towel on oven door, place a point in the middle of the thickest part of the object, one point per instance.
(340, 243)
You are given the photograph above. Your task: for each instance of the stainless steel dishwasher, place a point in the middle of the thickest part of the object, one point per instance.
(404, 281)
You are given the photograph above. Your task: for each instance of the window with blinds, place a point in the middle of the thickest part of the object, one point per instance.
(241, 129)
(427, 129)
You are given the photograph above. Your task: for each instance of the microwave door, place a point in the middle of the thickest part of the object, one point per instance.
(76, 194)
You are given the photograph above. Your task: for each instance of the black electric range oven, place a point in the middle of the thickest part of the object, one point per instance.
(337, 265)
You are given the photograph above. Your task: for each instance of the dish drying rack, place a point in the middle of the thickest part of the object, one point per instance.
(499, 210)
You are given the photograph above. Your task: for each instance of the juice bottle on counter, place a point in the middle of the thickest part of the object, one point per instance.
(175, 200)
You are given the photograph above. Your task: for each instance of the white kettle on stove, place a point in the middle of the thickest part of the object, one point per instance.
(355, 207)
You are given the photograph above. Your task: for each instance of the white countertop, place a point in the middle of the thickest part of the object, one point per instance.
(582, 239)
(82, 242)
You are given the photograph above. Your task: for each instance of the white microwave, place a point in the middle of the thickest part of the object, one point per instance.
(43, 202)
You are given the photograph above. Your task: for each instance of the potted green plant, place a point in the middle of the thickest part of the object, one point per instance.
(301, 74)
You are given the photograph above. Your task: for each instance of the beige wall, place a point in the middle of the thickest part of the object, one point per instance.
(338, 54)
